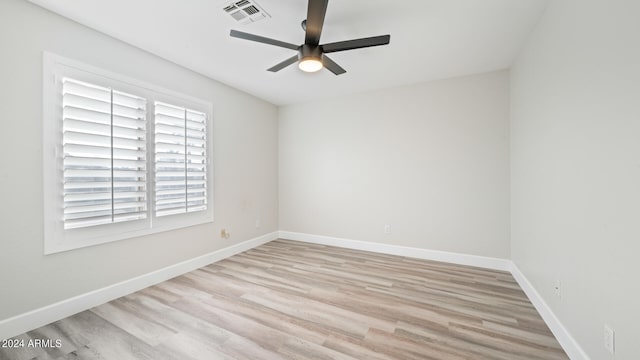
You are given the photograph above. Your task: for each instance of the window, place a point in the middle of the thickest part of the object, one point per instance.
(121, 158)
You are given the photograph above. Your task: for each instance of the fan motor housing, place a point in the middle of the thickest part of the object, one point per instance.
(310, 52)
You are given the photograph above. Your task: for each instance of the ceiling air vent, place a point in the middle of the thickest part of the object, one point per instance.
(245, 11)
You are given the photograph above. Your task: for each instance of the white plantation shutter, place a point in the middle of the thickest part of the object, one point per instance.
(104, 155)
(111, 169)
(180, 160)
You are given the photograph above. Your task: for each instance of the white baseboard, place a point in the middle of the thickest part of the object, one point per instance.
(568, 343)
(36, 318)
(444, 256)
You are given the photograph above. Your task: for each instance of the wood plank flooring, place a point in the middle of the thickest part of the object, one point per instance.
(291, 300)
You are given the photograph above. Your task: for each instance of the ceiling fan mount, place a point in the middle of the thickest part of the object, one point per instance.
(311, 55)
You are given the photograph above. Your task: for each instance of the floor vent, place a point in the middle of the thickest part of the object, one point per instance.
(245, 11)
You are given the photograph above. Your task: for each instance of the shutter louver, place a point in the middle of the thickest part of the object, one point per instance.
(104, 155)
(180, 160)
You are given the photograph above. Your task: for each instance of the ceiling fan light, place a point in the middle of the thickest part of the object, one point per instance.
(310, 64)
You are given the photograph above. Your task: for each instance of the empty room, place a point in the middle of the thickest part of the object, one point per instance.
(320, 179)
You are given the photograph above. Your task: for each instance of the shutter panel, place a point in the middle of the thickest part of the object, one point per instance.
(129, 157)
(169, 160)
(180, 160)
(196, 130)
(104, 165)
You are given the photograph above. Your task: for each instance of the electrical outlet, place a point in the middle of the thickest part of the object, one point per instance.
(257, 223)
(557, 288)
(387, 229)
(224, 234)
(609, 339)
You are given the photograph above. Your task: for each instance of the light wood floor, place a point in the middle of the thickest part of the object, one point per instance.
(290, 300)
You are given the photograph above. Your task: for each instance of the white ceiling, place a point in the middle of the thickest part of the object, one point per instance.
(430, 39)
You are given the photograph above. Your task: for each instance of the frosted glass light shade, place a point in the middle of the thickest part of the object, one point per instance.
(310, 65)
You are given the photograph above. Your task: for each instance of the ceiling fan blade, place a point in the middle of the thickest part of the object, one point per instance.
(356, 43)
(283, 64)
(262, 39)
(315, 20)
(332, 66)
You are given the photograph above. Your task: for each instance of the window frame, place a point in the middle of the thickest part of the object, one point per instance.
(56, 238)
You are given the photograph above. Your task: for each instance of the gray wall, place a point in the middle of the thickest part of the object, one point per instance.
(431, 160)
(575, 160)
(245, 162)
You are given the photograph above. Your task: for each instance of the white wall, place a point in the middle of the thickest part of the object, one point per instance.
(575, 147)
(430, 159)
(245, 162)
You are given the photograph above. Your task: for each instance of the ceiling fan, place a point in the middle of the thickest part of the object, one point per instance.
(311, 55)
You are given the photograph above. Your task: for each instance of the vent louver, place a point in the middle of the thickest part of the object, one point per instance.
(245, 11)
(230, 8)
(251, 10)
